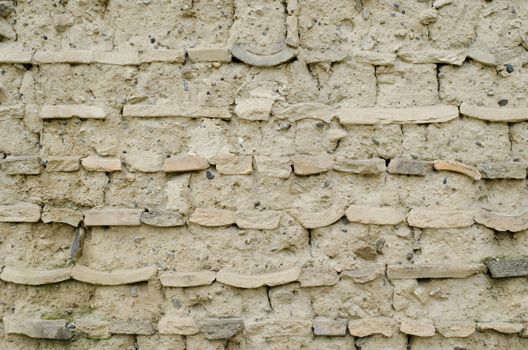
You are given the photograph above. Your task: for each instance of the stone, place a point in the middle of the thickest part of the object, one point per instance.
(36, 328)
(322, 218)
(455, 57)
(72, 111)
(318, 276)
(401, 166)
(258, 108)
(483, 57)
(234, 165)
(212, 54)
(62, 215)
(419, 328)
(34, 276)
(371, 166)
(113, 217)
(165, 55)
(278, 167)
(501, 327)
(373, 57)
(279, 327)
(494, 114)
(441, 3)
(457, 167)
(440, 218)
(502, 221)
(508, 267)
(365, 273)
(396, 115)
(120, 58)
(257, 219)
(364, 250)
(503, 170)
(455, 329)
(174, 111)
(96, 163)
(292, 31)
(144, 163)
(212, 217)
(13, 57)
(64, 56)
(173, 324)
(22, 165)
(441, 270)
(62, 164)
(221, 328)
(373, 325)
(185, 164)
(311, 165)
(375, 215)
(93, 328)
(162, 218)
(20, 212)
(131, 327)
(187, 279)
(255, 281)
(328, 327)
(283, 56)
(113, 278)
(306, 110)
(12, 112)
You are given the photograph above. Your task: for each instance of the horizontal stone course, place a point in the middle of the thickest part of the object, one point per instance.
(113, 217)
(390, 115)
(495, 114)
(441, 270)
(34, 276)
(255, 281)
(34, 327)
(440, 218)
(113, 278)
(72, 111)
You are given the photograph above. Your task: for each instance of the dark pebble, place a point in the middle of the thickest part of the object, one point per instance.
(509, 68)
(209, 175)
(503, 102)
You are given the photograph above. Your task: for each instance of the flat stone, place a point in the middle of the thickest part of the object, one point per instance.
(365, 273)
(64, 164)
(258, 108)
(20, 212)
(33, 276)
(457, 167)
(306, 110)
(494, 114)
(503, 170)
(375, 215)
(12, 111)
(96, 163)
(292, 31)
(258, 219)
(283, 56)
(15, 57)
(120, 58)
(173, 324)
(278, 167)
(371, 166)
(255, 281)
(174, 111)
(310, 165)
(22, 165)
(396, 115)
(483, 57)
(131, 327)
(279, 327)
(440, 218)
(72, 111)
(374, 57)
(211, 54)
(441, 3)
(64, 56)
(501, 327)
(221, 328)
(162, 218)
(501, 221)
(36, 328)
(455, 57)
(401, 166)
(419, 328)
(318, 276)
(185, 164)
(113, 217)
(328, 327)
(310, 56)
(62, 215)
(322, 218)
(187, 279)
(93, 328)
(441, 270)
(372, 325)
(234, 165)
(212, 217)
(456, 329)
(171, 56)
(508, 267)
(364, 250)
(113, 278)
(144, 163)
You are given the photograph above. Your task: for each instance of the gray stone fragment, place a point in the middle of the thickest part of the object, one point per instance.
(508, 267)
(221, 328)
(6, 7)
(328, 327)
(37, 328)
(505, 170)
(164, 218)
(275, 59)
(402, 166)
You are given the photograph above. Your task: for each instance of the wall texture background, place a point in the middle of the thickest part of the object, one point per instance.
(263, 174)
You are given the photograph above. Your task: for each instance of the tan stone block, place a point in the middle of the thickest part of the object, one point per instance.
(371, 166)
(184, 164)
(420, 328)
(131, 327)
(212, 217)
(121, 58)
(34, 276)
(372, 325)
(171, 56)
(374, 57)
(440, 218)
(502, 221)
(255, 281)
(144, 163)
(173, 324)
(12, 111)
(72, 111)
(64, 56)
(494, 114)
(95, 163)
(501, 327)
(306, 110)
(442, 270)
(162, 218)
(221, 328)
(365, 273)
(22, 165)
(113, 278)
(279, 327)
(113, 217)
(34, 327)
(187, 279)
(174, 111)
(455, 329)
(15, 56)
(257, 108)
(329, 327)
(455, 57)
(397, 115)
(279, 167)
(457, 168)
(63, 215)
(319, 219)
(257, 219)
(64, 164)
(92, 328)
(503, 170)
(310, 165)
(210, 54)
(234, 165)
(20, 212)
(375, 215)
(318, 276)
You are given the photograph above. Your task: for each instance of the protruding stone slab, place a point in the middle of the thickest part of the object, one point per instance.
(144, 163)
(501, 327)
(234, 165)
(390, 115)
(508, 267)
(113, 217)
(371, 166)
(20, 212)
(72, 111)
(279, 167)
(306, 110)
(187, 279)
(283, 56)
(212, 217)
(36, 328)
(311, 165)
(120, 58)
(441, 270)
(328, 327)
(419, 328)
(15, 57)
(322, 218)
(457, 167)
(257, 108)
(455, 329)
(505, 170)
(162, 218)
(280, 327)
(455, 57)
(64, 164)
(172, 324)
(64, 56)
(375, 215)
(209, 54)
(22, 165)
(63, 215)
(185, 164)
(440, 218)
(171, 56)
(255, 281)
(373, 57)
(221, 328)
(131, 327)
(174, 111)
(113, 278)
(401, 166)
(96, 163)
(373, 325)
(257, 219)
(33, 276)
(495, 114)
(93, 328)
(501, 221)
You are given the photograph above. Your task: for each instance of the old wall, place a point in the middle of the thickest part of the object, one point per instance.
(264, 174)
